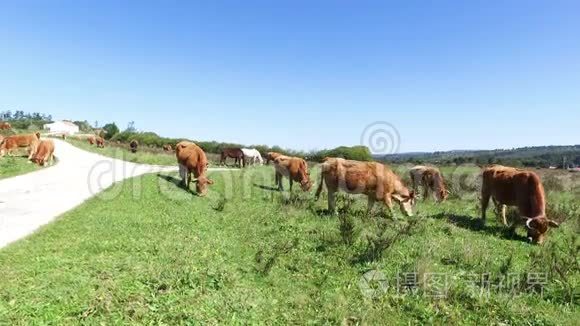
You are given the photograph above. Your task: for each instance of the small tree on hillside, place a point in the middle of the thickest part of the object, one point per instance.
(111, 130)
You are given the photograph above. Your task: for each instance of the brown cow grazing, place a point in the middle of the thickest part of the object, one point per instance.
(293, 168)
(271, 156)
(191, 159)
(5, 126)
(373, 179)
(134, 145)
(100, 142)
(44, 153)
(167, 148)
(430, 179)
(92, 140)
(514, 187)
(235, 153)
(29, 141)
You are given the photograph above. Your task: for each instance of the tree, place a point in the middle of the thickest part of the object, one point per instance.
(111, 130)
(131, 127)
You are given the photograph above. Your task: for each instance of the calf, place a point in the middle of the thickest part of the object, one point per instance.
(5, 126)
(430, 179)
(372, 179)
(520, 188)
(10, 143)
(192, 159)
(167, 148)
(44, 153)
(293, 168)
(92, 140)
(100, 142)
(134, 145)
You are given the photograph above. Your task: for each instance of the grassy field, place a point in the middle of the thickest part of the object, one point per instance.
(145, 155)
(148, 252)
(11, 166)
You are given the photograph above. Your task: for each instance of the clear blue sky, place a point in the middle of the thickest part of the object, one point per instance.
(302, 74)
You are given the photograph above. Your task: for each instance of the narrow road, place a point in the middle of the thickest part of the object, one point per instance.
(35, 199)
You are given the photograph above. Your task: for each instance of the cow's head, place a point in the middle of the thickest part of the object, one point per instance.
(306, 184)
(442, 195)
(538, 228)
(406, 203)
(201, 185)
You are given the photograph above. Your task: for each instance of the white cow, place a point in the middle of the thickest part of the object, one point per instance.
(252, 156)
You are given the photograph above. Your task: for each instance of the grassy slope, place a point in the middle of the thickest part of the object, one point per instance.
(15, 165)
(123, 153)
(159, 254)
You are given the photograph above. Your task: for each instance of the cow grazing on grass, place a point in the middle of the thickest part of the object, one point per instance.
(134, 145)
(252, 156)
(167, 148)
(100, 142)
(92, 140)
(5, 126)
(271, 156)
(520, 188)
(235, 153)
(44, 153)
(375, 180)
(295, 169)
(11, 143)
(192, 159)
(431, 180)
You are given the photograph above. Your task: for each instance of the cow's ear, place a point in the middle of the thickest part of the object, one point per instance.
(398, 198)
(554, 224)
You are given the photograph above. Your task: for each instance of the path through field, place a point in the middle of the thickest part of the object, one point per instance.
(32, 200)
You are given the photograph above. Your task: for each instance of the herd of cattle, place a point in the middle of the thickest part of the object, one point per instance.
(506, 186)
(39, 151)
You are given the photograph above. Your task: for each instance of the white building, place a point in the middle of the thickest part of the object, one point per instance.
(62, 127)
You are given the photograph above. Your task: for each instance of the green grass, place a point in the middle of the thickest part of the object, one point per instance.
(144, 155)
(147, 252)
(11, 166)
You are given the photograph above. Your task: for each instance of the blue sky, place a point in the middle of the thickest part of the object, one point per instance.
(302, 74)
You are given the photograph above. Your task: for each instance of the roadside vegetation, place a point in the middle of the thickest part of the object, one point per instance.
(11, 166)
(148, 252)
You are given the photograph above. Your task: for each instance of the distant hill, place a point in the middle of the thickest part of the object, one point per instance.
(540, 156)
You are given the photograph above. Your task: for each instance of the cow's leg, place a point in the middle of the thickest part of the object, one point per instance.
(279, 181)
(503, 214)
(320, 188)
(485, 196)
(389, 203)
(331, 201)
(370, 203)
(425, 192)
(291, 183)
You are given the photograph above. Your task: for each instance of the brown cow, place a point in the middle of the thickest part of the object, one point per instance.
(167, 148)
(44, 153)
(293, 168)
(10, 143)
(271, 156)
(430, 179)
(134, 145)
(5, 126)
(514, 187)
(236, 153)
(92, 140)
(373, 179)
(100, 142)
(191, 159)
